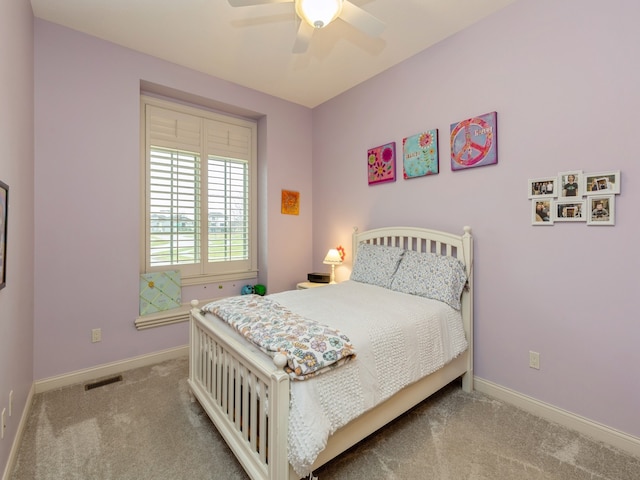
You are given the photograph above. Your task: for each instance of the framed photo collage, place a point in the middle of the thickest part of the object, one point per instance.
(574, 196)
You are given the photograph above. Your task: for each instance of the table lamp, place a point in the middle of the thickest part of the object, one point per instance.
(333, 258)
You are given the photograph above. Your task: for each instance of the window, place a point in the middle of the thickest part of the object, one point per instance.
(199, 193)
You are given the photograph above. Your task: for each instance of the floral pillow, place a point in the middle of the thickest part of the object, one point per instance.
(432, 276)
(376, 264)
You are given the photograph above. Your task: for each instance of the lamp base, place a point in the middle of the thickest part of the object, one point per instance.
(333, 274)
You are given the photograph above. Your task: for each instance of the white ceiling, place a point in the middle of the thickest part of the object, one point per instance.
(251, 46)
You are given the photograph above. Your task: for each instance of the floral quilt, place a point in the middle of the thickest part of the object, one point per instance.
(310, 347)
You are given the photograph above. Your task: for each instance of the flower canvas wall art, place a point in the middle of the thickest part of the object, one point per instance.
(381, 164)
(420, 154)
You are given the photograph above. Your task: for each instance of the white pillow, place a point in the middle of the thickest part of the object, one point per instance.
(432, 276)
(376, 264)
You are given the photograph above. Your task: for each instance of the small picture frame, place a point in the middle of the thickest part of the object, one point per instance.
(601, 210)
(602, 183)
(546, 187)
(570, 184)
(570, 210)
(290, 203)
(542, 211)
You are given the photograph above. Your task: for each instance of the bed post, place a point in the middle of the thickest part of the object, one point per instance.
(278, 459)
(192, 339)
(467, 306)
(354, 246)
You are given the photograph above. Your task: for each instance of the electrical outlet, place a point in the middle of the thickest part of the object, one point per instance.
(96, 335)
(534, 360)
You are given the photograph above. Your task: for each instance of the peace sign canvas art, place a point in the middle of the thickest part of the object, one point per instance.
(474, 142)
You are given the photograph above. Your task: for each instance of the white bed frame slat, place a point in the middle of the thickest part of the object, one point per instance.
(246, 394)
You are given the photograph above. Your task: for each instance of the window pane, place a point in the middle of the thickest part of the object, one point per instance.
(228, 209)
(174, 232)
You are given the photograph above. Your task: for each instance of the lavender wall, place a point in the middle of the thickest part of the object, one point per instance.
(16, 170)
(563, 77)
(87, 187)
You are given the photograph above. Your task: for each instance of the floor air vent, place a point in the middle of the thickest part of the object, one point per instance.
(102, 383)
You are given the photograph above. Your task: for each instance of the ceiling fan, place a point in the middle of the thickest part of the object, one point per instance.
(315, 14)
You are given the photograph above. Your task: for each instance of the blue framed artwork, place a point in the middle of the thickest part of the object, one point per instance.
(420, 154)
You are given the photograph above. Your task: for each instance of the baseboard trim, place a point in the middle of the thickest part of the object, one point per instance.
(17, 441)
(597, 431)
(81, 376)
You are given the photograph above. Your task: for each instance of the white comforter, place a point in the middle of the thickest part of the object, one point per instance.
(398, 338)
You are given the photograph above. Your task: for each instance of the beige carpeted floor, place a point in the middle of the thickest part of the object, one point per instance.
(147, 427)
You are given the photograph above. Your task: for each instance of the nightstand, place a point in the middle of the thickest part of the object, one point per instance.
(305, 285)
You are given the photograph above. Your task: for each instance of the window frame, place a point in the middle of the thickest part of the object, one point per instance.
(203, 272)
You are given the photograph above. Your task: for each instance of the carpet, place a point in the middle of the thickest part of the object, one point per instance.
(148, 426)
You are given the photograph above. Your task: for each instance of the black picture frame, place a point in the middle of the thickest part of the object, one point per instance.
(4, 212)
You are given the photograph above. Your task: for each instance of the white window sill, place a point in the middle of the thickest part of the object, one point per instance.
(168, 317)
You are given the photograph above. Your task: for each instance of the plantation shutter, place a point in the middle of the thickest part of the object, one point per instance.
(200, 189)
(167, 128)
(227, 140)
(173, 190)
(229, 154)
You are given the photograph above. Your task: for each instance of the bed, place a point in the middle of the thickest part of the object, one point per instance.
(262, 410)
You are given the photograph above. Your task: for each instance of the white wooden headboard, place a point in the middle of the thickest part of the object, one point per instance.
(421, 240)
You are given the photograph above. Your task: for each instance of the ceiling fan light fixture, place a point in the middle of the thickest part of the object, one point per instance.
(318, 13)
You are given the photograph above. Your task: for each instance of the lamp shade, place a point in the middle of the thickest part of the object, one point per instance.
(333, 257)
(318, 13)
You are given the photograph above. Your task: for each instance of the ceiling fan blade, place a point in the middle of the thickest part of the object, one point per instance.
(361, 19)
(303, 38)
(249, 3)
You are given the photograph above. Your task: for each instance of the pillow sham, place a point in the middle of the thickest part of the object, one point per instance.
(429, 275)
(376, 264)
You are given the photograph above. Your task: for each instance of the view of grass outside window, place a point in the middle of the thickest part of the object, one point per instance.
(174, 207)
(228, 210)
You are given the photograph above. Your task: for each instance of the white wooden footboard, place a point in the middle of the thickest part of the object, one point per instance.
(246, 398)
